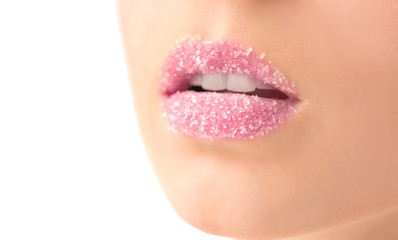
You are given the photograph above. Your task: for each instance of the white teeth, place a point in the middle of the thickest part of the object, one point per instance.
(214, 82)
(196, 80)
(240, 83)
(231, 82)
(261, 85)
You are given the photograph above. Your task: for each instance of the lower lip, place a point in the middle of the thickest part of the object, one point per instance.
(211, 115)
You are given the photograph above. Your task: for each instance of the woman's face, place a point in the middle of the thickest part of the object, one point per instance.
(333, 162)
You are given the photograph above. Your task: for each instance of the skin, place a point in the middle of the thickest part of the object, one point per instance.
(331, 171)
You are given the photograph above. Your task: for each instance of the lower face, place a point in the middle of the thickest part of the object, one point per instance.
(332, 161)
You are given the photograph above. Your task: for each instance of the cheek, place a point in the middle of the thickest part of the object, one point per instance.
(359, 76)
(351, 75)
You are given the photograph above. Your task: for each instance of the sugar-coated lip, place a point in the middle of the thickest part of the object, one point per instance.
(213, 115)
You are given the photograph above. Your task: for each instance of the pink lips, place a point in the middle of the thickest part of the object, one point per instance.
(221, 115)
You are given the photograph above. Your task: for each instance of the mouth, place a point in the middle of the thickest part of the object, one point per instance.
(223, 90)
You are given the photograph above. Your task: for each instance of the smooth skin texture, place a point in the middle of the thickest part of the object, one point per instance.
(331, 171)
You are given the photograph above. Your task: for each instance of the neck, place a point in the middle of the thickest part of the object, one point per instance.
(381, 226)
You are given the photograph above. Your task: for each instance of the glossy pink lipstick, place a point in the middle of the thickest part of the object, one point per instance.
(223, 90)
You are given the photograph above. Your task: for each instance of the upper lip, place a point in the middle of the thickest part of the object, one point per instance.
(195, 56)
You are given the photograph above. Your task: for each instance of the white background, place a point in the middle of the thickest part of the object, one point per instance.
(72, 165)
